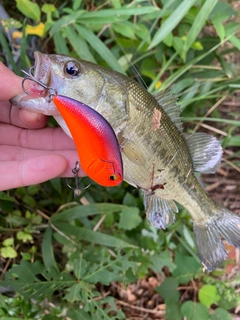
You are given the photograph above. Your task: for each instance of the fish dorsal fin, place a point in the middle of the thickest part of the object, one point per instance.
(169, 104)
(159, 211)
(206, 151)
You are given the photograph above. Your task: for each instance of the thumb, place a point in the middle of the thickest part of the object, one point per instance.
(10, 84)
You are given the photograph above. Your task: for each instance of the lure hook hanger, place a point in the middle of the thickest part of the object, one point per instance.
(51, 91)
(77, 188)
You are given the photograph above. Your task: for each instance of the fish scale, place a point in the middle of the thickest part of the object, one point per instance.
(157, 156)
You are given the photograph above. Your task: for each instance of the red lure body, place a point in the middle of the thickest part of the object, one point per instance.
(96, 142)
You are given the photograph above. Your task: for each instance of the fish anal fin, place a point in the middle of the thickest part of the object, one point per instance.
(160, 212)
(168, 102)
(205, 150)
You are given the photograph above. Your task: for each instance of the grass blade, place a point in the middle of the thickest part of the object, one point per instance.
(60, 43)
(170, 80)
(7, 51)
(198, 24)
(171, 22)
(119, 12)
(92, 236)
(79, 45)
(47, 250)
(99, 47)
(226, 121)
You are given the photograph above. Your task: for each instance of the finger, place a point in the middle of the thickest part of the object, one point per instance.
(22, 118)
(13, 153)
(12, 84)
(30, 171)
(31, 120)
(46, 138)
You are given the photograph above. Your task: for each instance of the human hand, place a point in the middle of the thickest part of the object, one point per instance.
(29, 153)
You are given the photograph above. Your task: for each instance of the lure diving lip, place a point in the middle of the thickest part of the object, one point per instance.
(95, 140)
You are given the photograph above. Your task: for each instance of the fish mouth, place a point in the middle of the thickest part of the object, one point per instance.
(42, 73)
(37, 97)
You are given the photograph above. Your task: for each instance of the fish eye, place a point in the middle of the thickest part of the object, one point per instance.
(71, 69)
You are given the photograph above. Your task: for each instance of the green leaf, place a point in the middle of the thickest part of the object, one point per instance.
(8, 242)
(169, 290)
(168, 40)
(208, 295)
(29, 9)
(76, 4)
(61, 48)
(127, 11)
(79, 45)
(226, 121)
(92, 236)
(220, 29)
(81, 211)
(74, 293)
(79, 267)
(188, 237)
(198, 23)
(171, 22)
(109, 269)
(194, 311)
(47, 250)
(126, 29)
(8, 252)
(99, 47)
(4, 196)
(178, 44)
(235, 41)
(186, 269)
(29, 200)
(48, 8)
(23, 55)
(66, 21)
(24, 236)
(224, 9)
(129, 218)
(129, 200)
(24, 278)
(176, 75)
(77, 313)
(233, 141)
(220, 314)
(7, 51)
(34, 189)
(164, 259)
(3, 304)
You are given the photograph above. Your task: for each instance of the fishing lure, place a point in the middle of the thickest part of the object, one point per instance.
(95, 140)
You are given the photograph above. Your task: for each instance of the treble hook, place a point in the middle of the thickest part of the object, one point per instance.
(51, 91)
(77, 188)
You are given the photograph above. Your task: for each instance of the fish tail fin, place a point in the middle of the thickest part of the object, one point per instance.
(208, 236)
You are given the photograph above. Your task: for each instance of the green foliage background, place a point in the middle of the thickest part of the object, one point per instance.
(63, 250)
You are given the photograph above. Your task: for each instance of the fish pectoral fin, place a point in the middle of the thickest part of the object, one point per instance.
(160, 212)
(133, 152)
(208, 236)
(205, 150)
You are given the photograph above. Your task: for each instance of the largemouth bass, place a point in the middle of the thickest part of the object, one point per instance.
(157, 156)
